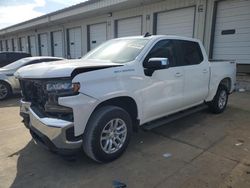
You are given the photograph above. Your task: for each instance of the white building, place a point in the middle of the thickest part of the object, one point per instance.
(222, 25)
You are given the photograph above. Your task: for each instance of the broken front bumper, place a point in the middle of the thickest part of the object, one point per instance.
(50, 132)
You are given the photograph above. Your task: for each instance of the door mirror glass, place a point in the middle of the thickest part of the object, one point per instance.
(154, 64)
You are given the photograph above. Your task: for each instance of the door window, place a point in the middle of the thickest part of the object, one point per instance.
(163, 49)
(189, 52)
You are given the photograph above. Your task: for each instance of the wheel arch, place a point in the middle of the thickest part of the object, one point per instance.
(125, 102)
(227, 82)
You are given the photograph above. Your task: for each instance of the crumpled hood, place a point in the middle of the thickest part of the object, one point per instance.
(64, 68)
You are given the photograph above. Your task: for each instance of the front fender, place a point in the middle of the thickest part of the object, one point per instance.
(112, 82)
(82, 106)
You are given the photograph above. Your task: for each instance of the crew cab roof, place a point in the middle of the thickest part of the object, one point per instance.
(162, 37)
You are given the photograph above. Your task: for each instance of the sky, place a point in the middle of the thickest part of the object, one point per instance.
(16, 11)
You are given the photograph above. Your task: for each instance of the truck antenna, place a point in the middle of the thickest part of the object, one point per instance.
(147, 34)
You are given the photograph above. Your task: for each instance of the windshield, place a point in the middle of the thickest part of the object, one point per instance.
(17, 64)
(118, 51)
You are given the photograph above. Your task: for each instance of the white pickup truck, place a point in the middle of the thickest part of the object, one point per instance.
(94, 103)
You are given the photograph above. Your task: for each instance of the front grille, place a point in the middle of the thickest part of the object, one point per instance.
(43, 102)
(34, 91)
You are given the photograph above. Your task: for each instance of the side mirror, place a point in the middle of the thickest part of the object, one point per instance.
(154, 64)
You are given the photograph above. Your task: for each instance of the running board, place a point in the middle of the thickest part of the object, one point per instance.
(174, 117)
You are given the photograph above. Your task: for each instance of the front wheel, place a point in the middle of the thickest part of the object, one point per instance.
(219, 103)
(107, 134)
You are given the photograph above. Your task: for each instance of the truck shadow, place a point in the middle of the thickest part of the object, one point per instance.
(41, 168)
(13, 101)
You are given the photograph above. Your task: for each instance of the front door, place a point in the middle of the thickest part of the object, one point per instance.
(163, 93)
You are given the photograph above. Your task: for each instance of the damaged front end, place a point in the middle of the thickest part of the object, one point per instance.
(49, 123)
(44, 98)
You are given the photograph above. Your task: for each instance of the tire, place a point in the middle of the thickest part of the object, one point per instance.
(219, 102)
(5, 90)
(98, 134)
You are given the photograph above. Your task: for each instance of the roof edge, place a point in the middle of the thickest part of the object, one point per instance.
(87, 2)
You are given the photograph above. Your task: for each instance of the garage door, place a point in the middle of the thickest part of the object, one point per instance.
(14, 43)
(32, 45)
(5, 45)
(97, 34)
(9, 46)
(176, 22)
(129, 27)
(232, 31)
(22, 44)
(74, 43)
(1, 45)
(43, 44)
(57, 43)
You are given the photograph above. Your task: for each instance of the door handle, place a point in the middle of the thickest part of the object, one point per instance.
(204, 71)
(178, 74)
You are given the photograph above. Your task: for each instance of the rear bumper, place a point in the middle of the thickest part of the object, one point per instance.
(49, 132)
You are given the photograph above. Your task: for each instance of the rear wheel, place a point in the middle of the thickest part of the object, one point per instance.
(107, 134)
(5, 90)
(219, 103)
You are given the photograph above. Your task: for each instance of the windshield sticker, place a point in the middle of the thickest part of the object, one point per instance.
(137, 46)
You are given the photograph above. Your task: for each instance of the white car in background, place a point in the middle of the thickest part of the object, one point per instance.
(95, 102)
(8, 83)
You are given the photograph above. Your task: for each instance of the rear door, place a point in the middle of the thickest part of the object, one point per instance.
(164, 91)
(196, 72)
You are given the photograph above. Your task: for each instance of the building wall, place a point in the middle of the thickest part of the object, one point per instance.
(146, 11)
(204, 15)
